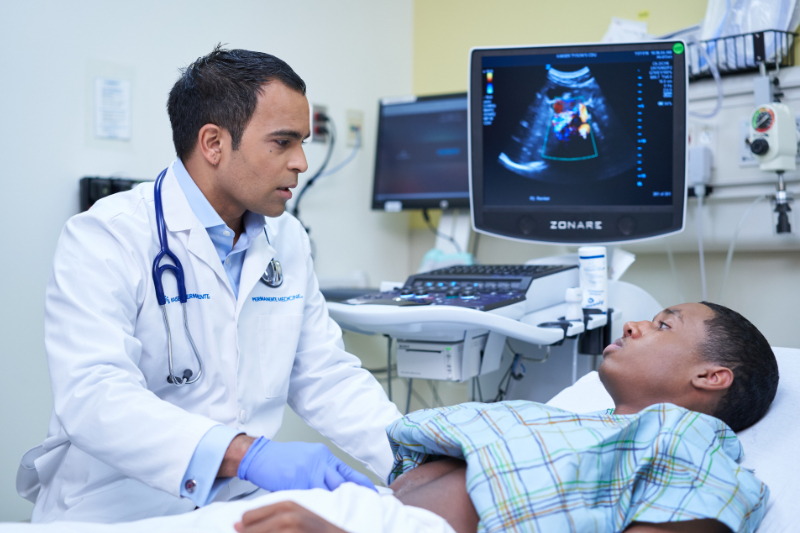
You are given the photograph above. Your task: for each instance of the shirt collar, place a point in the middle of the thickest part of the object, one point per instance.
(203, 210)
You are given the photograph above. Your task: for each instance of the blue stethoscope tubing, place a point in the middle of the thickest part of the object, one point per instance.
(272, 277)
(177, 271)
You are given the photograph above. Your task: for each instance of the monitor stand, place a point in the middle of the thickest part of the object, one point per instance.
(455, 224)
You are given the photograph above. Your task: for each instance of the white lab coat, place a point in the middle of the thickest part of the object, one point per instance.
(121, 437)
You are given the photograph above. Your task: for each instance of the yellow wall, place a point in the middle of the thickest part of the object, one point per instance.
(445, 30)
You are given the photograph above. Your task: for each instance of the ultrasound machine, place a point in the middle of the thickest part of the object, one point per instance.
(568, 144)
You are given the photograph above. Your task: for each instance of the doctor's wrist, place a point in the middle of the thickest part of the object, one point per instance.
(234, 454)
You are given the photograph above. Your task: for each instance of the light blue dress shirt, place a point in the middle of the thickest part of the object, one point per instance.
(200, 483)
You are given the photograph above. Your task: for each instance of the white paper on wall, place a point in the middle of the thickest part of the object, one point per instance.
(112, 105)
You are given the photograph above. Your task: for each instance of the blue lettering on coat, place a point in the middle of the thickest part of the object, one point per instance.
(277, 298)
(190, 296)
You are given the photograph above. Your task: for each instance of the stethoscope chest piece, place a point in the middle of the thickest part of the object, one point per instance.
(273, 275)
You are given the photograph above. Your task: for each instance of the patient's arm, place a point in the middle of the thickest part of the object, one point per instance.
(691, 526)
(440, 487)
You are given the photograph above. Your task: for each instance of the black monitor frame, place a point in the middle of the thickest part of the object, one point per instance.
(443, 202)
(568, 224)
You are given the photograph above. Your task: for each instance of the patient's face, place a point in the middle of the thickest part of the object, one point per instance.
(655, 361)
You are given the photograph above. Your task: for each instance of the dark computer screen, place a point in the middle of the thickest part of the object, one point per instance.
(582, 128)
(421, 158)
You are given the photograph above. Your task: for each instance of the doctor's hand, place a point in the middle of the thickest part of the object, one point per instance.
(296, 465)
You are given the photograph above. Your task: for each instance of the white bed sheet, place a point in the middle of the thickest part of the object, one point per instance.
(351, 507)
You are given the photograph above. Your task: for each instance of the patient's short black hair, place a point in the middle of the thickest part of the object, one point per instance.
(734, 342)
(222, 88)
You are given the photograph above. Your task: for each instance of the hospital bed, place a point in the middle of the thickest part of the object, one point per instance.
(769, 451)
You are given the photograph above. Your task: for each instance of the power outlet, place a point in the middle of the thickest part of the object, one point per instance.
(355, 127)
(319, 123)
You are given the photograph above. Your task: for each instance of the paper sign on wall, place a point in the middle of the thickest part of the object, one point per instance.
(112, 108)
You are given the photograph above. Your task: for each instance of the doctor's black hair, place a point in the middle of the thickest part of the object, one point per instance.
(733, 342)
(222, 88)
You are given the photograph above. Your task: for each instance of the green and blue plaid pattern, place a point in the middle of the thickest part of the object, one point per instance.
(531, 467)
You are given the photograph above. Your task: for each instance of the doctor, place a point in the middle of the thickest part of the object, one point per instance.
(133, 437)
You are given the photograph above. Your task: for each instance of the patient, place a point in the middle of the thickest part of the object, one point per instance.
(701, 357)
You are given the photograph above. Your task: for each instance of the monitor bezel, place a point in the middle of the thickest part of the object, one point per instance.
(418, 203)
(680, 154)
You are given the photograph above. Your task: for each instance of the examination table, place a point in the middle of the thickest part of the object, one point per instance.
(769, 451)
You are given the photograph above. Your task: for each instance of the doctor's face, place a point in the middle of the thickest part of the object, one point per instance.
(655, 360)
(261, 174)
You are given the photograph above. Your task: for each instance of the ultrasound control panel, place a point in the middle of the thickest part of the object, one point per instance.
(481, 287)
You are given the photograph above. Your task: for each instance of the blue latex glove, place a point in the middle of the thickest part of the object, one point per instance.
(296, 465)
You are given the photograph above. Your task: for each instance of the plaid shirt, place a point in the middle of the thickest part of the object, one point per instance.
(531, 467)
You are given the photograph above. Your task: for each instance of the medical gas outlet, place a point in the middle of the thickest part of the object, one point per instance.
(773, 137)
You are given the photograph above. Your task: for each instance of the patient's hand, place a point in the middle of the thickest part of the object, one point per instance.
(689, 526)
(284, 517)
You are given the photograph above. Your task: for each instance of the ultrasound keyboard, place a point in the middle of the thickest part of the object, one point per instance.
(481, 287)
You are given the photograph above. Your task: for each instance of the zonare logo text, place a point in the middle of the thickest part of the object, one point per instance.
(580, 224)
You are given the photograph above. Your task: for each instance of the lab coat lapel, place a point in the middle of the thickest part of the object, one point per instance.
(258, 256)
(179, 216)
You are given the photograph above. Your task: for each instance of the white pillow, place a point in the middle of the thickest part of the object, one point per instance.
(769, 445)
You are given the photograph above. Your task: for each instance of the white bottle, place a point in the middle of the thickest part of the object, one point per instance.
(594, 277)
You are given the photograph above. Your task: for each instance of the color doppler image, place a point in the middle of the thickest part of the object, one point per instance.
(569, 132)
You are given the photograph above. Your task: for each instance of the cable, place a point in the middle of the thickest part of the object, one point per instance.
(519, 352)
(347, 160)
(505, 390)
(435, 392)
(389, 366)
(320, 170)
(700, 191)
(410, 390)
(437, 232)
(575, 362)
(671, 260)
(729, 258)
(714, 72)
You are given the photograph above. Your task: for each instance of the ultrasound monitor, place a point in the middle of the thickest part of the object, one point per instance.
(578, 144)
(421, 156)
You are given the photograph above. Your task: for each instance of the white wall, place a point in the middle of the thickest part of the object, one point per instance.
(349, 52)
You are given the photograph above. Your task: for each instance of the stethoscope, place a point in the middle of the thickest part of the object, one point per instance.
(272, 277)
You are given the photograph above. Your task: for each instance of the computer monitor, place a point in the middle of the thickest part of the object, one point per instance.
(421, 157)
(578, 144)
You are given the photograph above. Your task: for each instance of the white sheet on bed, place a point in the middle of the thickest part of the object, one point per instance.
(350, 507)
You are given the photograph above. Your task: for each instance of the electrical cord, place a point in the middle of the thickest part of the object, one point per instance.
(435, 392)
(318, 173)
(715, 73)
(532, 359)
(700, 190)
(347, 160)
(729, 258)
(503, 390)
(437, 232)
(671, 259)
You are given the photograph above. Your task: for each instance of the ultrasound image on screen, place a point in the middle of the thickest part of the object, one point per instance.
(578, 131)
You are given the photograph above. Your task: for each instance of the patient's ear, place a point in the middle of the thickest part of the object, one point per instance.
(713, 378)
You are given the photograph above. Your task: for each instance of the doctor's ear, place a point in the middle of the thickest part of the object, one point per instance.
(714, 378)
(210, 140)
